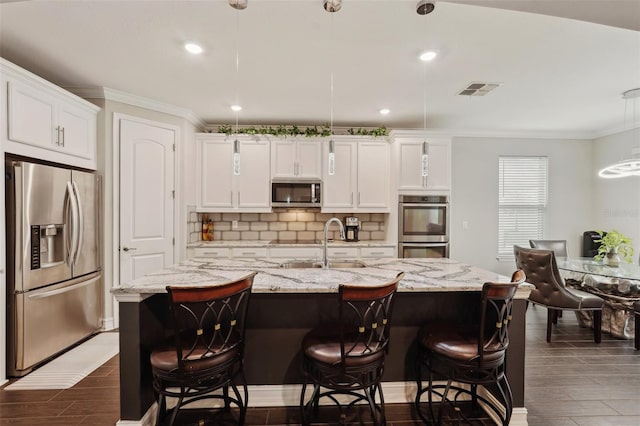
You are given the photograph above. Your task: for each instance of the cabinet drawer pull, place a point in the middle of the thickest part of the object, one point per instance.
(377, 252)
(339, 252)
(249, 252)
(215, 253)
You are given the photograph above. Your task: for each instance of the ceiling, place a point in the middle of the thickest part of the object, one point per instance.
(557, 75)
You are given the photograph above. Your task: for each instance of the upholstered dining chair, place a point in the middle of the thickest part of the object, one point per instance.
(472, 354)
(559, 247)
(205, 353)
(542, 271)
(348, 358)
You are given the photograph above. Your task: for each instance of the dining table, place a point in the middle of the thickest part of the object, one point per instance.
(619, 286)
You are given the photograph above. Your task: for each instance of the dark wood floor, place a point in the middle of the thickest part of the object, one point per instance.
(571, 381)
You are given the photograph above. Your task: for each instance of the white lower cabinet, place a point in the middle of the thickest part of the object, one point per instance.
(311, 253)
(250, 252)
(294, 253)
(377, 252)
(232, 178)
(342, 252)
(209, 252)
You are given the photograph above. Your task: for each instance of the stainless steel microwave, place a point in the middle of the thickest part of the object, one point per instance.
(295, 193)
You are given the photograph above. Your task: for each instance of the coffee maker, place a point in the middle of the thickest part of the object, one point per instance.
(352, 226)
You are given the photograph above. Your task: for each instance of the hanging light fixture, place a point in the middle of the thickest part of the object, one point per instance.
(331, 6)
(630, 167)
(238, 5)
(424, 8)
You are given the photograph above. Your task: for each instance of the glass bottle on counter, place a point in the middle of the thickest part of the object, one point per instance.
(207, 229)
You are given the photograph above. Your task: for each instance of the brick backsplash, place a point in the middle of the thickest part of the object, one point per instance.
(303, 225)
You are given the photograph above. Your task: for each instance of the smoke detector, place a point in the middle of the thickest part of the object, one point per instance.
(425, 7)
(239, 4)
(478, 89)
(332, 5)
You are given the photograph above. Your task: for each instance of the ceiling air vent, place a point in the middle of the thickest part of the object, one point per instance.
(478, 89)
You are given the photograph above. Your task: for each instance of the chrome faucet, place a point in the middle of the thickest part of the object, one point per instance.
(325, 260)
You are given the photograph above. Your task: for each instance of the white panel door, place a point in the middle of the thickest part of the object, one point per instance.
(146, 198)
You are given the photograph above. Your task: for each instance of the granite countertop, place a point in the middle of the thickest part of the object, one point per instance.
(421, 275)
(271, 243)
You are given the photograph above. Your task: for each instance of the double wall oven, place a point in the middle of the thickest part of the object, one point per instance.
(423, 226)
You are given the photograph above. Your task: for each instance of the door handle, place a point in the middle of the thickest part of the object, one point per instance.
(128, 248)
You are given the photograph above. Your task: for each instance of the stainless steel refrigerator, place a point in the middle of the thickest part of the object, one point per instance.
(54, 279)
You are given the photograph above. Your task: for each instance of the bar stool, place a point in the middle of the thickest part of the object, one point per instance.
(472, 354)
(205, 353)
(348, 357)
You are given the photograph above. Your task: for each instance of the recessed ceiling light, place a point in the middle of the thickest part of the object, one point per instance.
(193, 48)
(236, 108)
(385, 111)
(428, 55)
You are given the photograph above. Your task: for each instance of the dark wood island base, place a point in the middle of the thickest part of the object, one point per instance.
(276, 324)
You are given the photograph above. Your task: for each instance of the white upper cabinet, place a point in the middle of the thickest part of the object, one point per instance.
(46, 122)
(409, 164)
(296, 158)
(223, 185)
(360, 179)
(338, 188)
(373, 175)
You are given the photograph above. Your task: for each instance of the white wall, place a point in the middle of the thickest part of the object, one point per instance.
(474, 195)
(616, 204)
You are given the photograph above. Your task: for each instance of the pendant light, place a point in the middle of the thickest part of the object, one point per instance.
(424, 8)
(331, 6)
(236, 108)
(630, 167)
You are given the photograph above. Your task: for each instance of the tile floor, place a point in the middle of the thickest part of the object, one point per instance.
(571, 381)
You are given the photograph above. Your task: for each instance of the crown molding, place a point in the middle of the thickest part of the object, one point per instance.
(139, 101)
(471, 133)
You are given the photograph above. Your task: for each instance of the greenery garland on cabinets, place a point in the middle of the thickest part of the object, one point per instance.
(294, 130)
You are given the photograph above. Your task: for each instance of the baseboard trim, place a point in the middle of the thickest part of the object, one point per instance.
(289, 396)
(108, 324)
(149, 418)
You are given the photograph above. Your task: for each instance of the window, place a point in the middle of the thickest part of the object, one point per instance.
(522, 202)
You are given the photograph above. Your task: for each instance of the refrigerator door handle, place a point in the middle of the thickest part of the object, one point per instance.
(74, 223)
(63, 289)
(80, 227)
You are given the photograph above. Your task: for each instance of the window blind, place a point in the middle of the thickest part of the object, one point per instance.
(522, 202)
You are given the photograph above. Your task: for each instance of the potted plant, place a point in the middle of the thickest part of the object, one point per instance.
(613, 247)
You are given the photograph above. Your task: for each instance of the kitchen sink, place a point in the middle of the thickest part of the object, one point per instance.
(332, 265)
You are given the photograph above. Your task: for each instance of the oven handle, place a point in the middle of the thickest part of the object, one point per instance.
(423, 205)
(423, 244)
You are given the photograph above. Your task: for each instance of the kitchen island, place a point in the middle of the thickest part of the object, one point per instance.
(286, 303)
